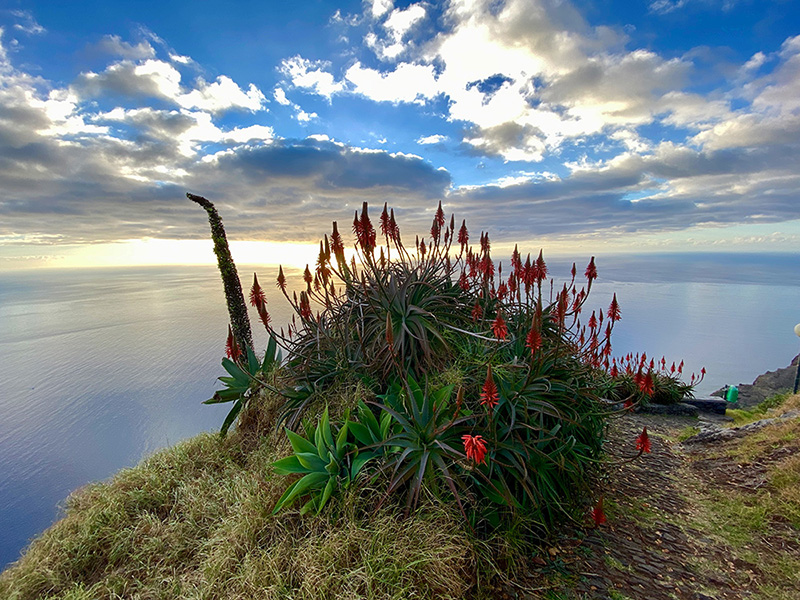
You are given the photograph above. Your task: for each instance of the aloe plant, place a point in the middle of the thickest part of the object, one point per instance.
(245, 379)
(327, 464)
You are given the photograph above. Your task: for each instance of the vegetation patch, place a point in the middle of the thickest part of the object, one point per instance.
(426, 419)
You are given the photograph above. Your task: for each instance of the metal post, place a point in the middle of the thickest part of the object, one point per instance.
(797, 376)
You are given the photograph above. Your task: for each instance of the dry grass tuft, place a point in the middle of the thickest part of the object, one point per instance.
(195, 521)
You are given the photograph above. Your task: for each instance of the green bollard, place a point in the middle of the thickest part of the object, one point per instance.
(732, 395)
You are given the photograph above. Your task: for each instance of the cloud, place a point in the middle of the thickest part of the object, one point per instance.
(311, 75)
(407, 83)
(526, 76)
(222, 95)
(27, 23)
(116, 46)
(122, 174)
(153, 78)
(397, 26)
(663, 7)
(432, 139)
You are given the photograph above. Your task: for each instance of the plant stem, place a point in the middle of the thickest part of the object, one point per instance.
(237, 309)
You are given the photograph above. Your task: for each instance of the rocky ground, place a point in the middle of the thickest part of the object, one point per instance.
(665, 537)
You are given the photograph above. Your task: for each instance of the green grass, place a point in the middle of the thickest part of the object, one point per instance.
(746, 520)
(687, 432)
(195, 521)
(760, 411)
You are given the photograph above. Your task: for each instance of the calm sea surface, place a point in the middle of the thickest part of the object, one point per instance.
(99, 368)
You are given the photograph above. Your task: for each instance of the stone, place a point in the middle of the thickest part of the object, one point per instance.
(680, 409)
(709, 405)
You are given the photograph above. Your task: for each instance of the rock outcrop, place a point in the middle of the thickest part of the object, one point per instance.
(766, 385)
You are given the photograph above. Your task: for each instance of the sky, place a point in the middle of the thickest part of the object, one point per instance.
(587, 126)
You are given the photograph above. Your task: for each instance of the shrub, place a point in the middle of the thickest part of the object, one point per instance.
(528, 421)
(526, 424)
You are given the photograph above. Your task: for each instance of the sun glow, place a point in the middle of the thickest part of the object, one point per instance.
(147, 252)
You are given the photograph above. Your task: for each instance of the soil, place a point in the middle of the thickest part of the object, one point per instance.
(654, 545)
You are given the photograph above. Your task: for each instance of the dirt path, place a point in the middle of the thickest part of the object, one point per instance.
(665, 538)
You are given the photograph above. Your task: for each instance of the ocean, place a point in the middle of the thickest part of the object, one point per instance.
(102, 367)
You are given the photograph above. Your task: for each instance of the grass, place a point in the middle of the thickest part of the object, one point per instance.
(687, 432)
(195, 521)
(765, 409)
(753, 523)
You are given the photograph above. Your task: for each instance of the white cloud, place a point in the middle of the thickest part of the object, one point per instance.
(432, 139)
(407, 83)
(165, 77)
(114, 45)
(158, 78)
(381, 7)
(178, 58)
(397, 25)
(222, 95)
(280, 97)
(311, 75)
(27, 23)
(304, 117)
(664, 7)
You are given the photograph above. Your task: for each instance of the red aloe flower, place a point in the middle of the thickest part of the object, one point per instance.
(593, 321)
(614, 372)
(502, 290)
(307, 276)
(439, 217)
(541, 268)
(499, 328)
(232, 348)
(386, 226)
(646, 384)
(438, 222)
(256, 293)
(477, 311)
(323, 259)
(591, 271)
(336, 244)
(259, 300)
(281, 279)
(516, 262)
(613, 310)
(395, 227)
(462, 281)
(357, 228)
(643, 441)
(364, 230)
(534, 339)
(489, 395)
(528, 275)
(485, 245)
(512, 283)
(475, 448)
(598, 516)
(463, 234)
(305, 306)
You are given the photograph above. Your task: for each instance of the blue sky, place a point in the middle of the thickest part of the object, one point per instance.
(652, 126)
